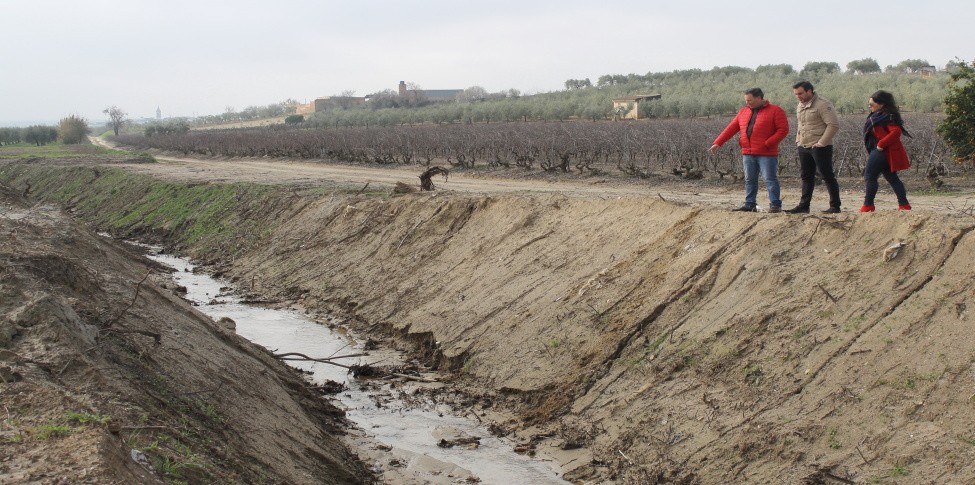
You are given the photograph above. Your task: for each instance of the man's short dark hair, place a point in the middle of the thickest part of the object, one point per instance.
(756, 92)
(804, 85)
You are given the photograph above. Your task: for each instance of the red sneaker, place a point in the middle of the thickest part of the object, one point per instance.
(867, 208)
(904, 207)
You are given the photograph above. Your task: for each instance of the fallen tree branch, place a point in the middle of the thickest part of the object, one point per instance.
(624, 456)
(155, 336)
(128, 428)
(135, 297)
(865, 460)
(831, 222)
(818, 223)
(301, 357)
(408, 234)
(833, 299)
(413, 378)
(304, 358)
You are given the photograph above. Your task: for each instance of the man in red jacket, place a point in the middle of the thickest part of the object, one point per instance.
(762, 126)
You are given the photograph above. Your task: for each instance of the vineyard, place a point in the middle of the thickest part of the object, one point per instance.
(635, 148)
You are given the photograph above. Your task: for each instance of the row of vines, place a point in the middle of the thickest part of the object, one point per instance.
(638, 148)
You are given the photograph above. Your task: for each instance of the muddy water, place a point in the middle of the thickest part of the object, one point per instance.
(412, 433)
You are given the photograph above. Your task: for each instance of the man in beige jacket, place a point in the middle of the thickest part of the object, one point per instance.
(817, 125)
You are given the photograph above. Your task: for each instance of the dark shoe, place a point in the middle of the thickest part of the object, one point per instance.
(832, 210)
(799, 209)
(745, 208)
(774, 208)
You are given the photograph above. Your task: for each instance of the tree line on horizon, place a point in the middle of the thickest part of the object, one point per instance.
(684, 94)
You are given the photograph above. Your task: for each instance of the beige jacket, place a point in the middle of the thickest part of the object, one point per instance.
(817, 122)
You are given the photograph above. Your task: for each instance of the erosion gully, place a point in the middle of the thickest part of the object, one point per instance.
(410, 431)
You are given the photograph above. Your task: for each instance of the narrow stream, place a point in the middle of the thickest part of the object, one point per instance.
(410, 431)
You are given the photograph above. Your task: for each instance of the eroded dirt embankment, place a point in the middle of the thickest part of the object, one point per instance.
(107, 376)
(680, 344)
(697, 342)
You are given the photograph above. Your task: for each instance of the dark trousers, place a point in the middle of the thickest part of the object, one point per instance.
(878, 165)
(819, 159)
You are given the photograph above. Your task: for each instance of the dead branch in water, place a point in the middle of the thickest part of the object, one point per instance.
(426, 182)
(296, 356)
(413, 378)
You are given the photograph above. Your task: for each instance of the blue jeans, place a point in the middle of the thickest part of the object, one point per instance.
(769, 166)
(878, 165)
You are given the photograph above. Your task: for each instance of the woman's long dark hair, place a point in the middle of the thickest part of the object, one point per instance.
(890, 107)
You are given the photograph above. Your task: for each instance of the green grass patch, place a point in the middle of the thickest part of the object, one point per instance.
(87, 418)
(900, 471)
(51, 431)
(204, 217)
(54, 150)
(938, 193)
(833, 442)
(173, 459)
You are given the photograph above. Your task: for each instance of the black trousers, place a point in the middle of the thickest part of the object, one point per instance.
(878, 165)
(818, 159)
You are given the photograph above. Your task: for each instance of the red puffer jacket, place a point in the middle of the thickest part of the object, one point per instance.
(889, 140)
(771, 127)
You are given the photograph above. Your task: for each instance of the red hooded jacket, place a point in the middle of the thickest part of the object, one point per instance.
(771, 127)
(889, 140)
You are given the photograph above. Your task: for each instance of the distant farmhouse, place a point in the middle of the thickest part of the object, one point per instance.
(431, 94)
(323, 103)
(628, 108)
(326, 102)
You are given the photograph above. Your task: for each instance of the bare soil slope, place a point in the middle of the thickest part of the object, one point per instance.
(680, 343)
(96, 363)
(703, 345)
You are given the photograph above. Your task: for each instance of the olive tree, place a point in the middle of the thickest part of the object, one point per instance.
(958, 127)
(912, 65)
(819, 68)
(40, 135)
(863, 66)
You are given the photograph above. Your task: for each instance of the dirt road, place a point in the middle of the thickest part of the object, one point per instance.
(706, 193)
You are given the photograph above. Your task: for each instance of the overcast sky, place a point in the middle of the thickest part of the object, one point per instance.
(61, 57)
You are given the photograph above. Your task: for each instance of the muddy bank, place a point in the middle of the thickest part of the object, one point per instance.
(109, 377)
(678, 344)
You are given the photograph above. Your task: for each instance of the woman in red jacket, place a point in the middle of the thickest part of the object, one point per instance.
(882, 136)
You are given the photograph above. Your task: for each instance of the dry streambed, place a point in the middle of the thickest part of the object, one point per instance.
(407, 437)
(676, 342)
